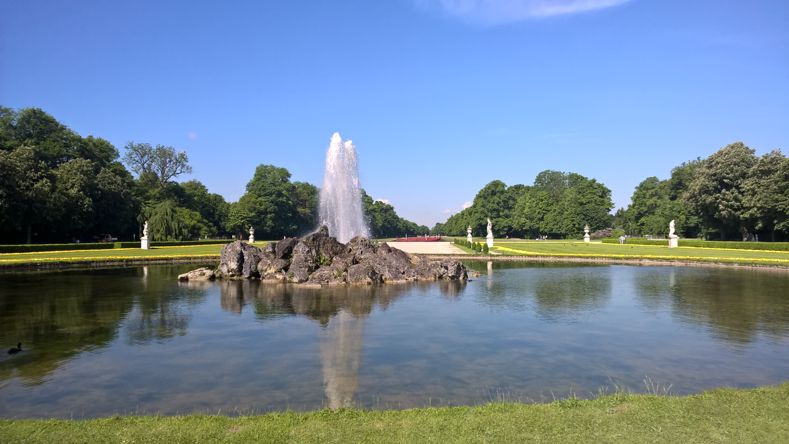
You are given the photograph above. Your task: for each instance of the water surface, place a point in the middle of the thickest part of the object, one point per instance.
(100, 342)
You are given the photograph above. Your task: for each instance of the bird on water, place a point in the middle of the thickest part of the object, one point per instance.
(15, 350)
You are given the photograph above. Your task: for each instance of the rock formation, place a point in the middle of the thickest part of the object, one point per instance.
(320, 259)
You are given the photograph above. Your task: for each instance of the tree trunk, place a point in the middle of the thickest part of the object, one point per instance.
(29, 233)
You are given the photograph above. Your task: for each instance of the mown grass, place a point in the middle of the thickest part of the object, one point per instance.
(115, 254)
(721, 415)
(616, 251)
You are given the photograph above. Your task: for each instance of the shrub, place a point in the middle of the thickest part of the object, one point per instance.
(485, 249)
(30, 248)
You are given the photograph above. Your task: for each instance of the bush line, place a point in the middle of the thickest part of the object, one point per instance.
(31, 248)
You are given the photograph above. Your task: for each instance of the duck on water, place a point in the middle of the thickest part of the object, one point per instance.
(15, 350)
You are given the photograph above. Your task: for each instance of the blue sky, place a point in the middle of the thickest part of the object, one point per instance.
(439, 96)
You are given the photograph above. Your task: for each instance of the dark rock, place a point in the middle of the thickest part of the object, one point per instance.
(360, 248)
(325, 246)
(284, 248)
(391, 263)
(200, 274)
(303, 263)
(363, 274)
(239, 259)
(320, 259)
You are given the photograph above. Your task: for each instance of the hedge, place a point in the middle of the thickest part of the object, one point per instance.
(31, 248)
(184, 243)
(736, 245)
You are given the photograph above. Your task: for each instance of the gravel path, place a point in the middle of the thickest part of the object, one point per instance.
(427, 247)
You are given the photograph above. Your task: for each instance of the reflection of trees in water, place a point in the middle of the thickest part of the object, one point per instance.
(553, 291)
(563, 293)
(162, 309)
(56, 316)
(340, 310)
(736, 304)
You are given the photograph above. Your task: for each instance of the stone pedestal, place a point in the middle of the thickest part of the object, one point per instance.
(144, 243)
(587, 238)
(490, 240)
(673, 241)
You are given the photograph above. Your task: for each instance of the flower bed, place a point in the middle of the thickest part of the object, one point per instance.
(419, 239)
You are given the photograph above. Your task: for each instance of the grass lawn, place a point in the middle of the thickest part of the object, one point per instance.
(616, 251)
(115, 254)
(723, 415)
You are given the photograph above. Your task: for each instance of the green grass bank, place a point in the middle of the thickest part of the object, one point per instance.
(599, 250)
(721, 415)
(503, 248)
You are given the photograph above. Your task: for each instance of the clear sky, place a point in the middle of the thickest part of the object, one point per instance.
(439, 96)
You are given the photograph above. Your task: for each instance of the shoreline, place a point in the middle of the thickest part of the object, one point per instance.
(68, 264)
(759, 414)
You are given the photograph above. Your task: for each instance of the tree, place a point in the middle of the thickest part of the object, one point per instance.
(560, 204)
(766, 194)
(268, 205)
(212, 207)
(163, 163)
(716, 194)
(25, 191)
(305, 197)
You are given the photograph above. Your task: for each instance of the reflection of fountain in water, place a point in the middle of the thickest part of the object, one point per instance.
(341, 349)
(490, 275)
(341, 195)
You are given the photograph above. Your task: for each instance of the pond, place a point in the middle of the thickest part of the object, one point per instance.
(135, 341)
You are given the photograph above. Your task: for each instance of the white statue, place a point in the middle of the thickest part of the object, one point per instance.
(490, 234)
(587, 238)
(468, 234)
(251, 235)
(144, 239)
(673, 239)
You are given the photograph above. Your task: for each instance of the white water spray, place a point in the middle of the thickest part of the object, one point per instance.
(341, 195)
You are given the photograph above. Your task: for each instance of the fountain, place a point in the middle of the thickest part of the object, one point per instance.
(341, 195)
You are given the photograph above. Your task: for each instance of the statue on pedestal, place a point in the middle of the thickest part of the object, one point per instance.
(673, 239)
(489, 237)
(468, 234)
(587, 238)
(251, 235)
(144, 239)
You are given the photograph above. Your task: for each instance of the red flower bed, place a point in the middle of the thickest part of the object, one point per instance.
(419, 239)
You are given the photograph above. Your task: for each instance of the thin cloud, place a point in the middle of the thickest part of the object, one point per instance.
(468, 204)
(386, 201)
(508, 11)
(191, 135)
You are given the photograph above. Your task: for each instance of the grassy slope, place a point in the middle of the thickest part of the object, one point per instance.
(722, 415)
(616, 251)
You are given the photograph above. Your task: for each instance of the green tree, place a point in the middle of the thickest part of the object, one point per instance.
(305, 197)
(716, 193)
(160, 163)
(766, 194)
(25, 191)
(212, 207)
(268, 205)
